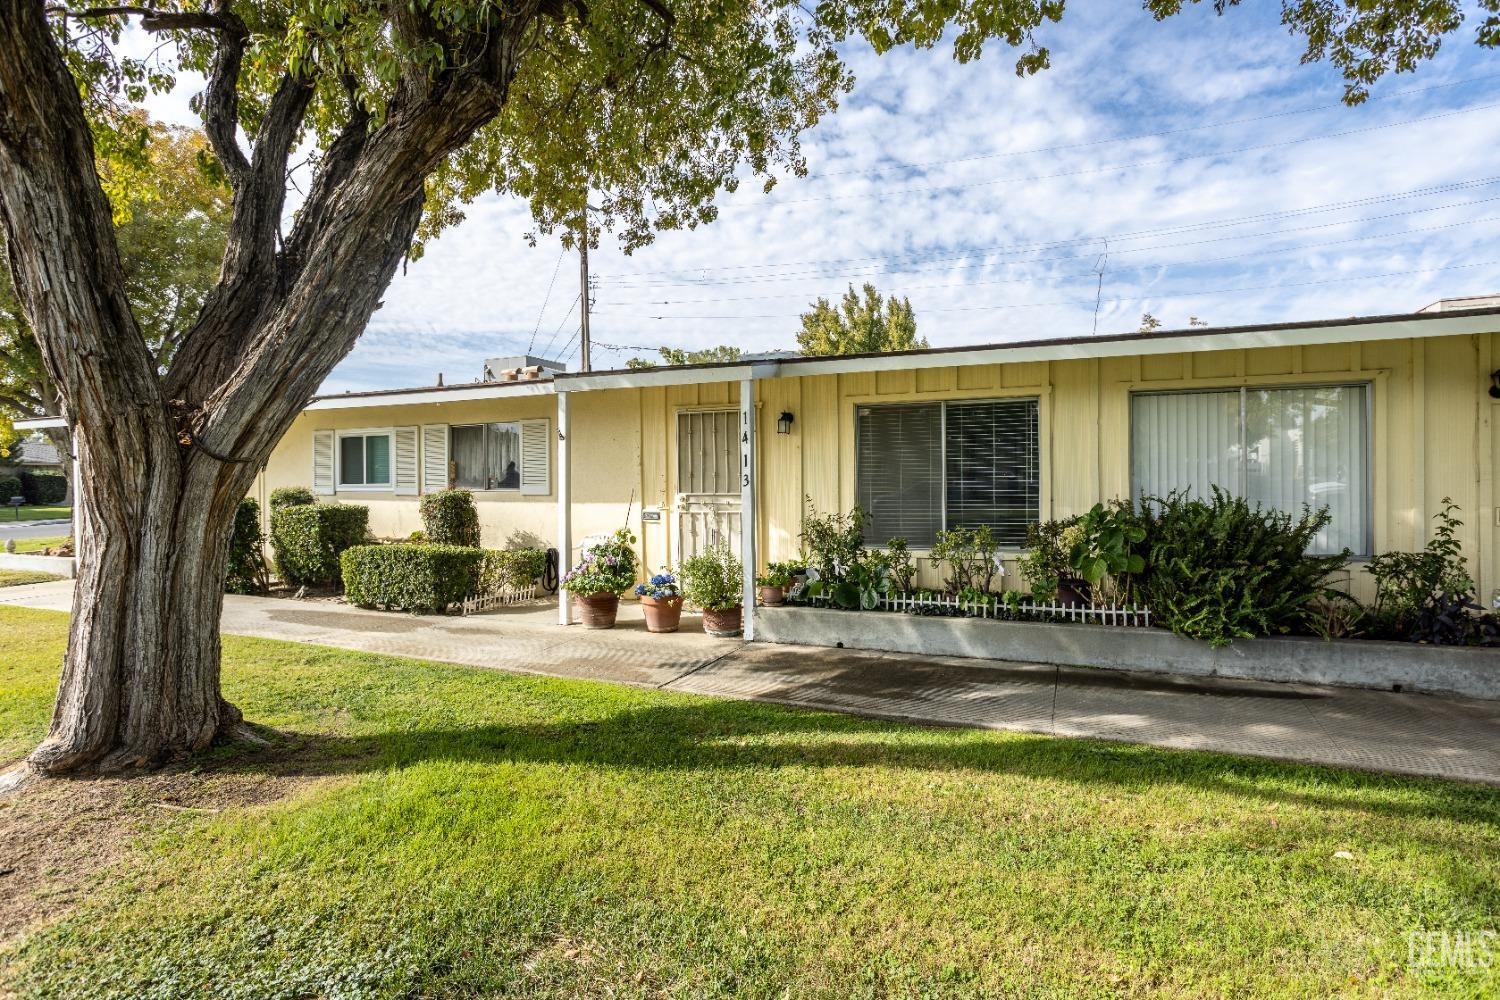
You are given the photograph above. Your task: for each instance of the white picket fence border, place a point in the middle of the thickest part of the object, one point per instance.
(498, 597)
(1104, 614)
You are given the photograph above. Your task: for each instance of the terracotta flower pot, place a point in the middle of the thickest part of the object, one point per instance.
(597, 610)
(723, 623)
(773, 597)
(663, 614)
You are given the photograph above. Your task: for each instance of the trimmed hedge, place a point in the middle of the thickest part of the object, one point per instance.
(410, 577)
(450, 518)
(43, 487)
(307, 539)
(247, 566)
(516, 568)
(290, 496)
(10, 486)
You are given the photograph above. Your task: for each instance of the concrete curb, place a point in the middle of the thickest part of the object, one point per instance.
(1356, 663)
(61, 565)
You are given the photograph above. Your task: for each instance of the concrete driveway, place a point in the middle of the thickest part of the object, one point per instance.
(1366, 730)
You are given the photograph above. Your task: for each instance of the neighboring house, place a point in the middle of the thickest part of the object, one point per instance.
(1378, 418)
(35, 454)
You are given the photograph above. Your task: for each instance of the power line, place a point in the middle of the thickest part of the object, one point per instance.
(553, 338)
(927, 164)
(624, 279)
(545, 299)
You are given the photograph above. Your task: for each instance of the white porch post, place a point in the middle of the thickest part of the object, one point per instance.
(564, 511)
(747, 501)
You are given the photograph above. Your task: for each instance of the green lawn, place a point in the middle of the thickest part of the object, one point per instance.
(24, 545)
(478, 834)
(17, 577)
(35, 512)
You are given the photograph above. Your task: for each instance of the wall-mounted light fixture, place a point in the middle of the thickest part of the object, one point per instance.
(784, 422)
(1495, 384)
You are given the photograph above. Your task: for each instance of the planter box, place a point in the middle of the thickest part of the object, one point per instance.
(61, 565)
(1386, 666)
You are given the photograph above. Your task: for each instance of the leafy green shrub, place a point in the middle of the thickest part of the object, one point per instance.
(410, 577)
(450, 518)
(1106, 552)
(901, 565)
(1428, 596)
(712, 580)
(1046, 560)
(970, 555)
(515, 568)
(43, 487)
(1220, 570)
(306, 540)
(10, 486)
(247, 564)
(833, 541)
(290, 496)
(605, 568)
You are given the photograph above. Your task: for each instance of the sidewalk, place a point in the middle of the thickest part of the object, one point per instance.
(1367, 730)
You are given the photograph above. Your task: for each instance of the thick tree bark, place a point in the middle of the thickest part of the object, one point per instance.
(167, 459)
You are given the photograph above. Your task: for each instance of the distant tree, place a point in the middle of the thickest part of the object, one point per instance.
(860, 325)
(679, 356)
(1149, 323)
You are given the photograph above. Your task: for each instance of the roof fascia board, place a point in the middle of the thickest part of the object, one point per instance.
(497, 390)
(39, 423)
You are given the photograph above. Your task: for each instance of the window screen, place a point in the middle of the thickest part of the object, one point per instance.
(365, 460)
(926, 467)
(1279, 448)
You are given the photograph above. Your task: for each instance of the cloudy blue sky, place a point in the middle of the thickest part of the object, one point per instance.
(1224, 180)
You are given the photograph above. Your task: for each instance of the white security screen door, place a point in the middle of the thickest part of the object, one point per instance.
(708, 482)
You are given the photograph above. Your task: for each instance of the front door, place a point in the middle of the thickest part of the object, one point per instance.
(708, 482)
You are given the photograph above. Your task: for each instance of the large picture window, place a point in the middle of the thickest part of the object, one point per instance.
(486, 456)
(365, 460)
(927, 467)
(1280, 448)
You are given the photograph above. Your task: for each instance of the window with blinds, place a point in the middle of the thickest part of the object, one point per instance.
(1282, 448)
(926, 467)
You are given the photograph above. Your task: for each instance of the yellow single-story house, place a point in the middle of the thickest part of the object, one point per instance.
(1378, 418)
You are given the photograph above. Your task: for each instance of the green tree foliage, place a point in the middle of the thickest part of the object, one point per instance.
(861, 324)
(680, 356)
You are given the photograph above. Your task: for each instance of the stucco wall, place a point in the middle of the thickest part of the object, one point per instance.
(1434, 435)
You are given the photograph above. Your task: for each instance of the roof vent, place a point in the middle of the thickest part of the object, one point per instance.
(1463, 302)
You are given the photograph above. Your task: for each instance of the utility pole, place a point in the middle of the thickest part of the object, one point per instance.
(583, 294)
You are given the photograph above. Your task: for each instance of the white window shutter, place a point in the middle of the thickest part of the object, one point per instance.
(536, 457)
(434, 457)
(405, 447)
(322, 470)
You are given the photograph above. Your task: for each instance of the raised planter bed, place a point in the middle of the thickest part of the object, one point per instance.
(1386, 666)
(61, 565)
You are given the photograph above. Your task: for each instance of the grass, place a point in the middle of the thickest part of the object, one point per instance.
(470, 833)
(18, 577)
(24, 545)
(35, 512)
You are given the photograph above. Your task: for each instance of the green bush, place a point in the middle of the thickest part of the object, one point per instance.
(410, 577)
(515, 568)
(10, 486)
(450, 518)
(1220, 570)
(43, 487)
(290, 496)
(306, 540)
(712, 580)
(247, 565)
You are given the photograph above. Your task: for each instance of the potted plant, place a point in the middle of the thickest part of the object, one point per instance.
(661, 601)
(774, 583)
(711, 582)
(604, 572)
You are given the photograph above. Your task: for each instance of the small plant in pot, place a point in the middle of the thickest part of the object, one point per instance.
(711, 582)
(661, 602)
(604, 572)
(774, 583)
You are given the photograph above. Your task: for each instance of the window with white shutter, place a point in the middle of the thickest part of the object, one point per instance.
(406, 461)
(434, 457)
(322, 462)
(536, 457)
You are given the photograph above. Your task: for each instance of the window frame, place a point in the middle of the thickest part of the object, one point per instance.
(942, 404)
(339, 486)
(520, 455)
(1243, 389)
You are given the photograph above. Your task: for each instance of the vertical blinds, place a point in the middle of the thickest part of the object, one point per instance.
(922, 468)
(900, 472)
(1279, 448)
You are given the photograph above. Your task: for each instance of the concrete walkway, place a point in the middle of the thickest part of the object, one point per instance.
(1368, 730)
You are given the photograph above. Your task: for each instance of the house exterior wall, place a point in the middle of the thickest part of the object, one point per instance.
(1433, 434)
